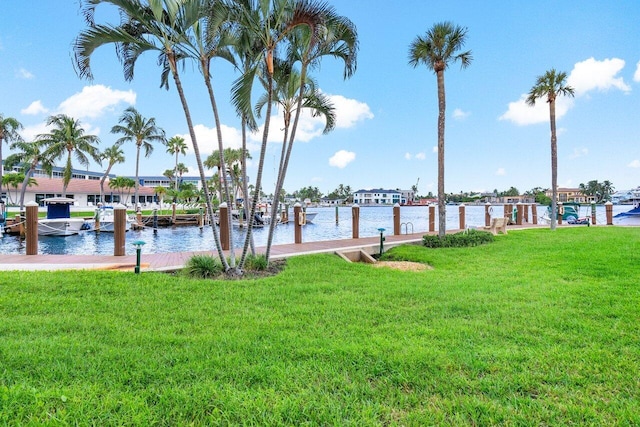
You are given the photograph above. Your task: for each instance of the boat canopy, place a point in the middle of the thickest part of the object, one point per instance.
(58, 207)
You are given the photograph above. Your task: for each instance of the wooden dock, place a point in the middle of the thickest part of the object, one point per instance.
(176, 260)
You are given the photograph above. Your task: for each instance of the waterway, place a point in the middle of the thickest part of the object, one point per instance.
(325, 227)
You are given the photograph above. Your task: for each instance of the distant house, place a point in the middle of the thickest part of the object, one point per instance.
(378, 196)
(571, 195)
(325, 201)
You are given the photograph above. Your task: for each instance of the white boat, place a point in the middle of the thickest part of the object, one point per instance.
(630, 217)
(58, 221)
(309, 217)
(106, 220)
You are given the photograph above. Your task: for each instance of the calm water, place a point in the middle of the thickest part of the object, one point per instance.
(413, 219)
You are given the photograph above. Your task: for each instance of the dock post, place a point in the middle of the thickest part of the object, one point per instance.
(201, 219)
(507, 209)
(355, 221)
(608, 207)
(337, 221)
(432, 217)
(20, 219)
(223, 217)
(593, 213)
(96, 219)
(560, 213)
(534, 214)
(396, 219)
(32, 228)
(155, 220)
(119, 229)
(462, 219)
(519, 213)
(173, 213)
(297, 225)
(525, 213)
(487, 214)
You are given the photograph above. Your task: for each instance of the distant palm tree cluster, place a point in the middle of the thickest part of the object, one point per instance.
(274, 45)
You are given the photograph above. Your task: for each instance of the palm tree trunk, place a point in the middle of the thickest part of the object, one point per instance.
(245, 188)
(227, 194)
(442, 214)
(263, 150)
(276, 193)
(554, 164)
(25, 183)
(135, 202)
(203, 179)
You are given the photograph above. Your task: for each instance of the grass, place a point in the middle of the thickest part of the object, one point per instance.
(537, 328)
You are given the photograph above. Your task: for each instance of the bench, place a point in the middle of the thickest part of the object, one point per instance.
(498, 225)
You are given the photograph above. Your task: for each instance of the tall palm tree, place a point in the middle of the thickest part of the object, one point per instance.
(437, 50)
(177, 146)
(29, 155)
(549, 86)
(9, 128)
(286, 94)
(181, 169)
(68, 139)
(122, 183)
(162, 27)
(272, 23)
(112, 155)
(141, 131)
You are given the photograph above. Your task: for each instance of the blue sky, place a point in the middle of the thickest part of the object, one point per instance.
(387, 111)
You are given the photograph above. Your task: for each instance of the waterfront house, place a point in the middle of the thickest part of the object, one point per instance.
(378, 196)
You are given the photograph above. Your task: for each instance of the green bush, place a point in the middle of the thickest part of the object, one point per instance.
(256, 263)
(462, 239)
(203, 267)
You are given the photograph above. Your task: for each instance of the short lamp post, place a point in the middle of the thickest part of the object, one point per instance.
(381, 230)
(138, 244)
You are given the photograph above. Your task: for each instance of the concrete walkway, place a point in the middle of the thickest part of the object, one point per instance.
(176, 260)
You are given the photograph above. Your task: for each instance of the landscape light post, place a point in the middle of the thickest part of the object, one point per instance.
(138, 244)
(381, 230)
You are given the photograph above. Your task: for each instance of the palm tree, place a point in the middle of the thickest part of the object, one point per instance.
(177, 146)
(271, 23)
(141, 131)
(549, 86)
(122, 183)
(162, 27)
(181, 169)
(437, 50)
(112, 155)
(9, 128)
(286, 93)
(12, 180)
(68, 138)
(29, 155)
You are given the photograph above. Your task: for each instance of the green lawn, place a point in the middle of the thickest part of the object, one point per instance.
(537, 328)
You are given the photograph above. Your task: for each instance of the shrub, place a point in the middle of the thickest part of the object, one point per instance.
(466, 238)
(256, 263)
(203, 267)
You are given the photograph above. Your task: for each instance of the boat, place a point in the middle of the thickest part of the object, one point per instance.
(309, 217)
(630, 217)
(570, 212)
(58, 221)
(106, 220)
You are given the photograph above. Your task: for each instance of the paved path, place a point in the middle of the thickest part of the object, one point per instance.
(175, 260)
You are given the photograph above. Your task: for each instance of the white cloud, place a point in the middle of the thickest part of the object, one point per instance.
(522, 114)
(586, 76)
(421, 156)
(634, 164)
(458, 114)
(29, 133)
(207, 139)
(579, 152)
(94, 101)
(597, 75)
(24, 74)
(349, 111)
(434, 149)
(34, 108)
(636, 75)
(407, 156)
(342, 158)
(501, 172)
